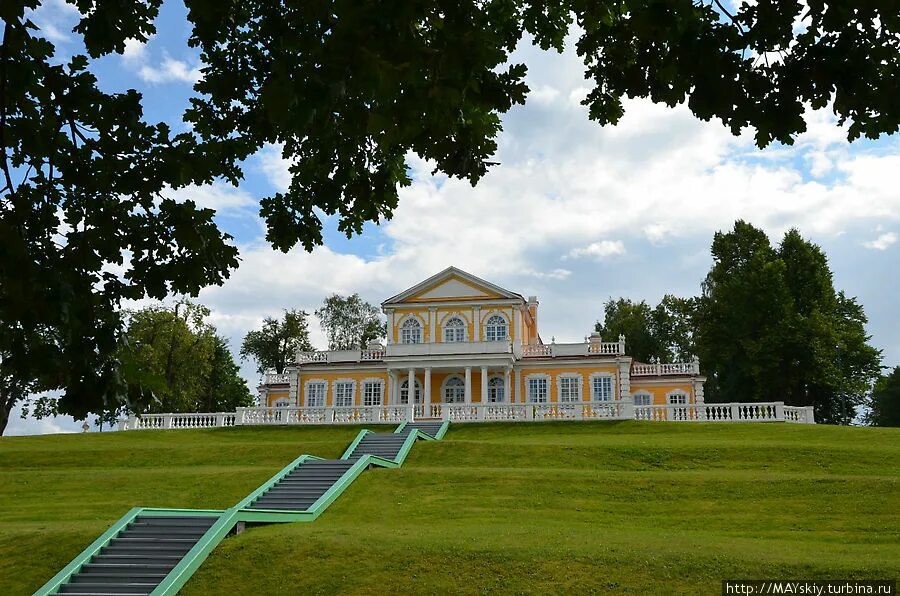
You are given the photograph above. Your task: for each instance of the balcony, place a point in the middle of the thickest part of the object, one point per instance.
(329, 356)
(657, 368)
(555, 350)
(464, 348)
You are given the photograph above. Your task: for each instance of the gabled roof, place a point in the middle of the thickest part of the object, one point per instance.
(452, 284)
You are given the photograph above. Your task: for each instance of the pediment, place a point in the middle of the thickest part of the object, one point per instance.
(452, 285)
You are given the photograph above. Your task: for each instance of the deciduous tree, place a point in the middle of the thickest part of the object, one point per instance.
(884, 404)
(275, 345)
(350, 322)
(347, 90)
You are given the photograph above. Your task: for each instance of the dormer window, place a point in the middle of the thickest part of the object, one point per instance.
(454, 330)
(495, 328)
(411, 331)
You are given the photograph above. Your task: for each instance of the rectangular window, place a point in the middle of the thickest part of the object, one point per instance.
(315, 395)
(569, 389)
(537, 391)
(679, 399)
(343, 394)
(372, 391)
(643, 399)
(601, 388)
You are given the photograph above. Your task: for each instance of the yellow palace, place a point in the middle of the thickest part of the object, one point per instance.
(458, 340)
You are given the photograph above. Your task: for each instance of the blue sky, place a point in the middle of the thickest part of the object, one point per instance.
(576, 213)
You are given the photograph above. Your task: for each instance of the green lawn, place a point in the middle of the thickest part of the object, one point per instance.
(630, 507)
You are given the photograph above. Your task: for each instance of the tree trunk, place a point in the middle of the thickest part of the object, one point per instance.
(6, 404)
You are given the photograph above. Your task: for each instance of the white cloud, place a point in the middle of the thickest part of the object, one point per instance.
(598, 251)
(219, 196)
(170, 70)
(275, 167)
(883, 242)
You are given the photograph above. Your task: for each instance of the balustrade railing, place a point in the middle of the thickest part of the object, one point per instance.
(479, 412)
(661, 368)
(555, 350)
(276, 378)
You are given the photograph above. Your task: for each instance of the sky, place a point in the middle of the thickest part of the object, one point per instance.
(575, 213)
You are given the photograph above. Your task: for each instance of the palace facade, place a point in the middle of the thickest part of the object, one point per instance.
(458, 339)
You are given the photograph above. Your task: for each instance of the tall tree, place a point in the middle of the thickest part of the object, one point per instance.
(664, 332)
(275, 345)
(350, 323)
(224, 389)
(348, 90)
(884, 404)
(771, 327)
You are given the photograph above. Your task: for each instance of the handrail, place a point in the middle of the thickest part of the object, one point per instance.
(84, 556)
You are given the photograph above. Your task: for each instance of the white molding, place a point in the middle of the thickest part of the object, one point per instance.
(612, 381)
(362, 388)
(543, 376)
(403, 321)
(446, 380)
(334, 385)
(445, 274)
(577, 376)
(314, 381)
(455, 315)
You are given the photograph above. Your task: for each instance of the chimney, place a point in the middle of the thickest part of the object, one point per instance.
(532, 310)
(594, 340)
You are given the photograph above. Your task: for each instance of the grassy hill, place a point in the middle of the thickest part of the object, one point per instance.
(544, 507)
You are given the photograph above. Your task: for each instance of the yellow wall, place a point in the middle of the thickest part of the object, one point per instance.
(659, 391)
(356, 376)
(467, 313)
(272, 397)
(585, 373)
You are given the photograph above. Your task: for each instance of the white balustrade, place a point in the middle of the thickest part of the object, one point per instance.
(662, 368)
(477, 412)
(535, 351)
(277, 379)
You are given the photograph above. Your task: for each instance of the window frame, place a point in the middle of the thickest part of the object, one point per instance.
(603, 376)
(369, 400)
(461, 385)
(679, 397)
(530, 394)
(488, 328)
(337, 399)
(643, 394)
(417, 390)
(308, 396)
(411, 330)
(496, 383)
(571, 381)
(456, 333)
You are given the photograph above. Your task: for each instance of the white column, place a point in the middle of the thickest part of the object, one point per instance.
(507, 396)
(517, 397)
(468, 384)
(426, 394)
(476, 325)
(432, 323)
(392, 394)
(389, 314)
(484, 384)
(517, 327)
(411, 389)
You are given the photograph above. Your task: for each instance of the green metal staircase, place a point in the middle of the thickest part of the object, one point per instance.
(155, 551)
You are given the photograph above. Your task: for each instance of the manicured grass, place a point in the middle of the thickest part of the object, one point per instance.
(629, 507)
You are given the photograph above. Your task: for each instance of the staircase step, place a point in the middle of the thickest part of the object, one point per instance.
(109, 589)
(104, 577)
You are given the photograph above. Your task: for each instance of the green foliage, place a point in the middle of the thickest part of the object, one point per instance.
(350, 323)
(275, 345)
(83, 224)
(177, 355)
(663, 332)
(771, 327)
(347, 90)
(350, 88)
(884, 404)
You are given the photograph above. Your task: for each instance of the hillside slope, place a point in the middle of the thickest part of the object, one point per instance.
(542, 507)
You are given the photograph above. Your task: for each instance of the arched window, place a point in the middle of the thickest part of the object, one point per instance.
(496, 390)
(495, 328)
(454, 330)
(411, 331)
(404, 392)
(454, 391)
(642, 398)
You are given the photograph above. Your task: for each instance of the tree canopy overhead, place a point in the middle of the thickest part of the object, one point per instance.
(348, 88)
